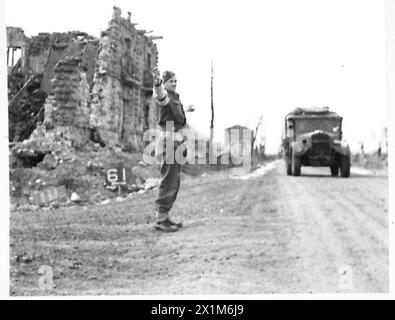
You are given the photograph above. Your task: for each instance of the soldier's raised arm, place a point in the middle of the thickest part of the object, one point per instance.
(160, 94)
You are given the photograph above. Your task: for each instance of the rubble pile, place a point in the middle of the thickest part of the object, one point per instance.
(82, 173)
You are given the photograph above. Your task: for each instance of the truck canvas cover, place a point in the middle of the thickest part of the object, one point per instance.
(312, 111)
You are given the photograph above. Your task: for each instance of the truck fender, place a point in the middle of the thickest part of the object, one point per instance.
(342, 148)
(299, 148)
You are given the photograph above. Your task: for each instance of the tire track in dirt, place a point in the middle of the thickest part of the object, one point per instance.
(360, 245)
(364, 217)
(366, 245)
(355, 238)
(373, 203)
(315, 239)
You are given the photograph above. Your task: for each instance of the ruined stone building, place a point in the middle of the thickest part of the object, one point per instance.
(90, 88)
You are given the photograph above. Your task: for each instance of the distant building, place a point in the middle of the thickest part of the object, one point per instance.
(239, 139)
(384, 141)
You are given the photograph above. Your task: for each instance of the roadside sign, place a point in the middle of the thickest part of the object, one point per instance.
(117, 176)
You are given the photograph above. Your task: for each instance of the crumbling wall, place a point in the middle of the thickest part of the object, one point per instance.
(39, 49)
(67, 109)
(122, 90)
(149, 60)
(51, 56)
(106, 103)
(57, 47)
(88, 59)
(41, 53)
(16, 39)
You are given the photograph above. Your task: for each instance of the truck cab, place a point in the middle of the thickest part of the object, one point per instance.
(313, 137)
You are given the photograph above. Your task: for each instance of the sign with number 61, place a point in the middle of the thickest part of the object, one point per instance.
(116, 176)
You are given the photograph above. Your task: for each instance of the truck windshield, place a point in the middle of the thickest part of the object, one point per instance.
(329, 125)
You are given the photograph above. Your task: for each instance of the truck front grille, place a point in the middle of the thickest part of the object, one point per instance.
(320, 144)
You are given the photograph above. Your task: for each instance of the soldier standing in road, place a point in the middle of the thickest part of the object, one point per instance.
(171, 119)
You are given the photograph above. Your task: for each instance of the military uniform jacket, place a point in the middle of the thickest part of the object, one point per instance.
(171, 108)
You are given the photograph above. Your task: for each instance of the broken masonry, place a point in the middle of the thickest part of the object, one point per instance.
(73, 87)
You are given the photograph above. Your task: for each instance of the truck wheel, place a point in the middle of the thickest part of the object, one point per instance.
(345, 166)
(296, 165)
(334, 170)
(288, 164)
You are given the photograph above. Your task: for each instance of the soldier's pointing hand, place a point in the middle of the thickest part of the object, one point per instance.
(156, 75)
(191, 108)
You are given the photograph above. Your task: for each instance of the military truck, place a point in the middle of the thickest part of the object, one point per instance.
(313, 137)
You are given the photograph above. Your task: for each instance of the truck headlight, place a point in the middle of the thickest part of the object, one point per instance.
(298, 147)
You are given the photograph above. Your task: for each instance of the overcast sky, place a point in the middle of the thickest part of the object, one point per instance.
(269, 56)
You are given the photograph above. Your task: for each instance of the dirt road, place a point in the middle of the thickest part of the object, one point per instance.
(266, 233)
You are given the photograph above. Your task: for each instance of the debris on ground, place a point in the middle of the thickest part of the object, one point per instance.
(75, 197)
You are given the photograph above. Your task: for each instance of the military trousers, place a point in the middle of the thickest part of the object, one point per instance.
(170, 177)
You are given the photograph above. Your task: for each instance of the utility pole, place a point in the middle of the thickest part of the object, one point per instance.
(212, 116)
(212, 105)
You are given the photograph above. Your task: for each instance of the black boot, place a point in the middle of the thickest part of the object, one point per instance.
(165, 226)
(175, 224)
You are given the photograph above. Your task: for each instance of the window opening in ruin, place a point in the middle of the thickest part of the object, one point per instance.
(13, 55)
(146, 117)
(133, 70)
(128, 42)
(149, 61)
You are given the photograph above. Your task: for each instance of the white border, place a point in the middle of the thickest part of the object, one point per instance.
(4, 192)
(390, 98)
(4, 224)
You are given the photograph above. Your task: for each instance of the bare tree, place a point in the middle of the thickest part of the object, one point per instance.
(255, 133)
